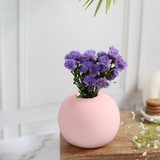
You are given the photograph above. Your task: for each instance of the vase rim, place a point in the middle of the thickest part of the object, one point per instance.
(77, 94)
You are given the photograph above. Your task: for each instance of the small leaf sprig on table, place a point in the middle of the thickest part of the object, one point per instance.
(149, 136)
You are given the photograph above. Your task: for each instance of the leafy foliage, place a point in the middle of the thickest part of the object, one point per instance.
(89, 2)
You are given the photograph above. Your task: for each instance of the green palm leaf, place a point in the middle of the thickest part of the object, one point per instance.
(89, 4)
(86, 2)
(99, 4)
(108, 3)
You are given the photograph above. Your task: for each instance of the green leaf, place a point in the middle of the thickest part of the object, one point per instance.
(108, 3)
(98, 6)
(89, 4)
(106, 6)
(86, 2)
(81, 85)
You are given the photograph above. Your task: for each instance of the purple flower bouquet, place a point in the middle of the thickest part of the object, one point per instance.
(92, 72)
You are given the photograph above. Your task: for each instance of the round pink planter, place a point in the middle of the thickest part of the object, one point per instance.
(89, 122)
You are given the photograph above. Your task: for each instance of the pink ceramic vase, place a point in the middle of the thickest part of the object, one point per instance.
(89, 122)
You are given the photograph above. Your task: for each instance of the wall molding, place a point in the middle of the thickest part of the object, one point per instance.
(24, 99)
(0, 60)
(37, 127)
(125, 40)
(1, 132)
(141, 76)
(23, 52)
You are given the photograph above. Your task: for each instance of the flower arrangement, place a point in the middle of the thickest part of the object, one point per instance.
(93, 71)
(147, 136)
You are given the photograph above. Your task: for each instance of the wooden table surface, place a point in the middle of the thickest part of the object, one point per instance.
(118, 149)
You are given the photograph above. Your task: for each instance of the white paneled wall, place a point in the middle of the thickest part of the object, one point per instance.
(35, 35)
(150, 41)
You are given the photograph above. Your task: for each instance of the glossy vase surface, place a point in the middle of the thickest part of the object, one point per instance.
(89, 122)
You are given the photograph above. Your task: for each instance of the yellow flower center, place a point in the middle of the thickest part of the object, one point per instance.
(101, 83)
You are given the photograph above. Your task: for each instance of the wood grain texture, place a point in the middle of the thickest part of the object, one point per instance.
(119, 149)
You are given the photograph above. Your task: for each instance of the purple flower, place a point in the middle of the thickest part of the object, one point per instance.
(102, 83)
(104, 59)
(81, 58)
(120, 64)
(112, 76)
(103, 67)
(113, 53)
(104, 63)
(88, 64)
(70, 64)
(101, 53)
(83, 68)
(90, 88)
(89, 54)
(94, 70)
(112, 48)
(115, 73)
(119, 57)
(73, 55)
(89, 80)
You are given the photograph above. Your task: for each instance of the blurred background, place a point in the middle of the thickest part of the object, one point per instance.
(35, 35)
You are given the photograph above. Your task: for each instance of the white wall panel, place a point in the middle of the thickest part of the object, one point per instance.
(0, 84)
(0, 62)
(9, 52)
(48, 31)
(0, 58)
(150, 48)
(132, 98)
